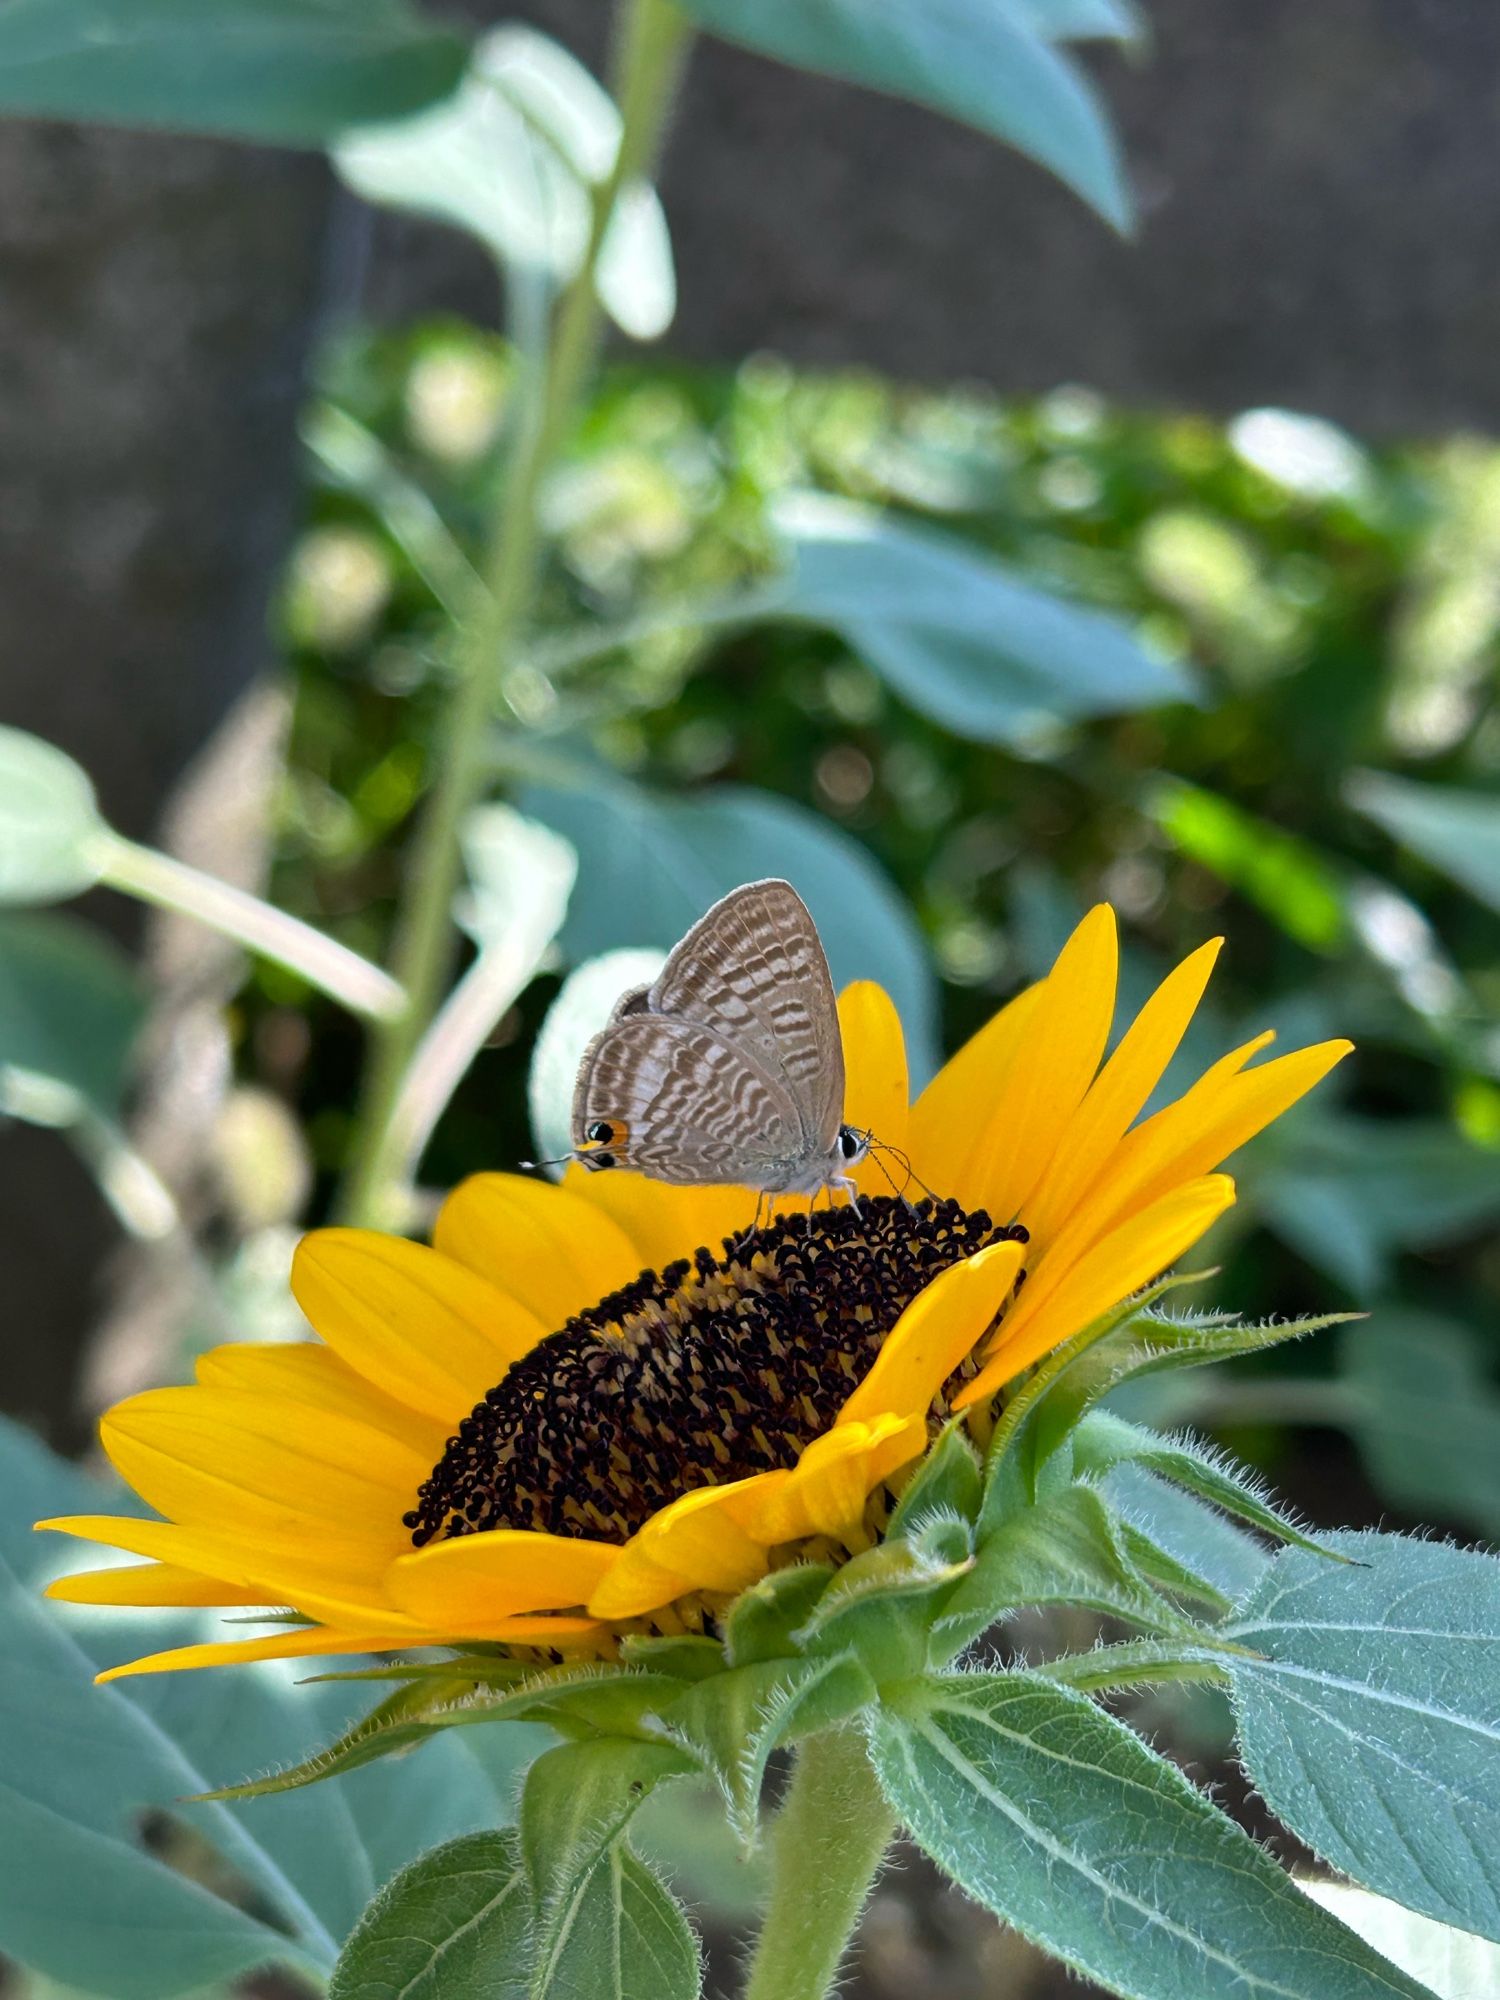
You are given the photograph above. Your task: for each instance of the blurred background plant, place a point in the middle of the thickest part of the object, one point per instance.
(957, 664)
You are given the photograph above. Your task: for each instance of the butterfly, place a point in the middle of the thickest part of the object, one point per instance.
(729, 1067)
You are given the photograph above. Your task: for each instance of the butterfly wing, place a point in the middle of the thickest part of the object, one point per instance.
(684, 1105)
(753, 971)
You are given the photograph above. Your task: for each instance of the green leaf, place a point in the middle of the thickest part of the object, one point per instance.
(650, 865)
(1456, 1965)
(1425, 1415)
(732, 1723)
(1372, 1723)
(511, 158)
(983, 654)
(621, 1936)
(1457, 831)
(455, 1925)
(1103, 1441)
(577, 1801)
(973, 61)
(1061, 1821)
(80, 1765)
(51, 836)
(70, 1006)
(294, 72)
(1041, 1417)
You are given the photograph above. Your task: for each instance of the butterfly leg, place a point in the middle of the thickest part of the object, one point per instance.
(846, 1186)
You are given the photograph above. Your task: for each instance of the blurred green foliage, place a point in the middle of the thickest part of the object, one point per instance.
(1338, 608)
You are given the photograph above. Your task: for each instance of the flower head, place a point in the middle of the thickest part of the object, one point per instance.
(568, 1418)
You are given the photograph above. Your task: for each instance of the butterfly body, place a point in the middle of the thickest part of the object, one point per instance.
(729, 1067)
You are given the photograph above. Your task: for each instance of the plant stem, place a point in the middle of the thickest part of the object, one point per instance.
(260, 927)
(652, 41)
(826, 1843)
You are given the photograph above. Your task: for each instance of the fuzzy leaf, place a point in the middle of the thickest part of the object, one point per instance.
(1372, 1721)
(455, 1925)
(1061, 1821)
(619, 1936)
(577, 1802)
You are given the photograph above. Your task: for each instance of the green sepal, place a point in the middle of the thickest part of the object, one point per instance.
(1137, 1663)
(406, 1717)
(686, 1656)
(1069, 1551)
(577, 1801)
(590, 1702)
(949, 1480)
(1169, 1572)
(1131, 1340)
(732, 1723)
(496, 1672)
(1103, 1441)
(881, 1605)
(763, 1619)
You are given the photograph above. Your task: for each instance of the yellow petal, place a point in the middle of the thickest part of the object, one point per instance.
(1118, 1094)
(417, 1324)
(949, 1128)
(826, 1491)
(496, 1574)
(664, 1223)
(1054, 1067)
(555, 1251)
(876, 1085)
(327, 1584)
(1131, 1256)
(702, 1541)
(217, 1458)
(292, 1643)
(307, 1373)
(1188, 1138)
(151, 1583)
(939, 1327)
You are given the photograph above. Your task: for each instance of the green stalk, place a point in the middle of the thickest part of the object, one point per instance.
(652, 42)
(826, 1844)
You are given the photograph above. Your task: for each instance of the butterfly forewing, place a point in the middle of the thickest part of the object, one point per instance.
(753, 972)
(684, 1105)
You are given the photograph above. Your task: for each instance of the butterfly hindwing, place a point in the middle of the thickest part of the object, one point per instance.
(683, 1104)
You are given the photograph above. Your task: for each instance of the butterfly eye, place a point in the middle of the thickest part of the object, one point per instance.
(852, 1144)
(600, 1134)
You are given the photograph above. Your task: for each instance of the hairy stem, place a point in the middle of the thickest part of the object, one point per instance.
(826, 1844)
(652, 40)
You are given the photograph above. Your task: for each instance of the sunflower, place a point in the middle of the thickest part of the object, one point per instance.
(565, 1419)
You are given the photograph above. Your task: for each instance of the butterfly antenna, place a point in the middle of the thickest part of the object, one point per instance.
(534, 1166)
(878, 1146)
